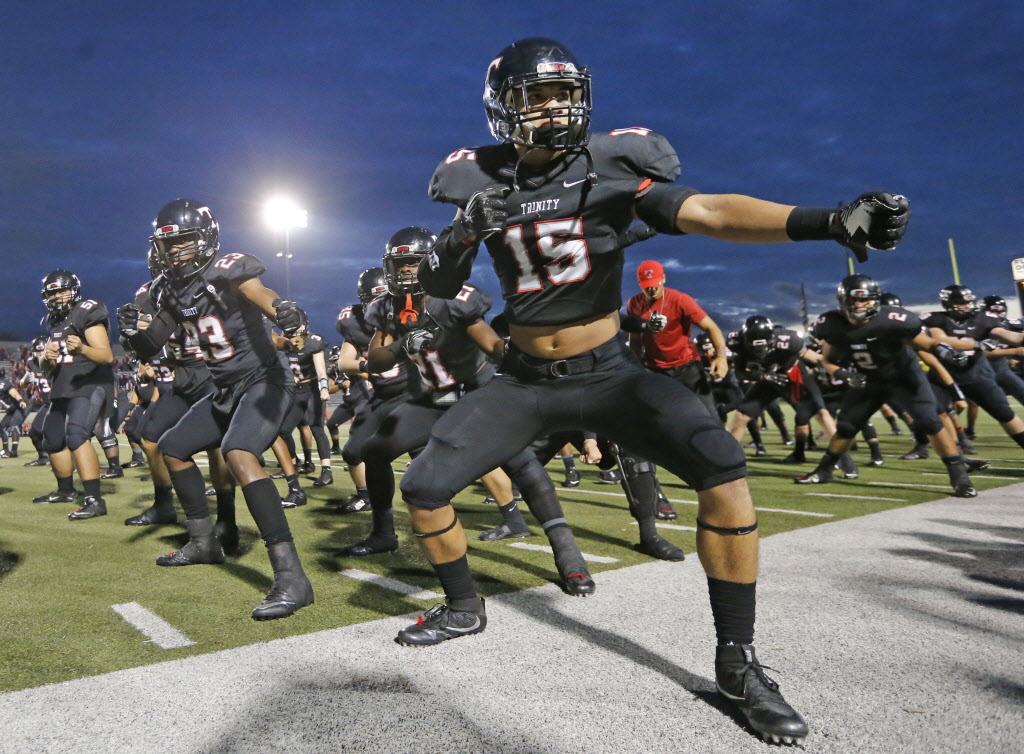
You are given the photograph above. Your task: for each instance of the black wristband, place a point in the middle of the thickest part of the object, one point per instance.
(810, 224)
(361, 365)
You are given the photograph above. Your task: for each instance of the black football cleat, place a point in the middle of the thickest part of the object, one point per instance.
(503, 531)
(374, 544)
(353, 504)
(572, 478)
(94, 508)
(660, 548)
(917, 453)
(441, 623)
(741, 679)
(291, 590)
(135, 463)
(976, 464)
(760, 451)
(202, 548)
(294, 499)
(151, 517)
(877, 462)
(578, 584)
(815, 477)
(307, 467)
(278, 475)
(665, 511)
(210, 492)
(57, 497)
(227, 534)
(112, 473)
(39, 462)
(795, 457)
(965, 490)
(326, 478)
(612, 476)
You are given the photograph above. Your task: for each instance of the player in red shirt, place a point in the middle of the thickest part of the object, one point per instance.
(663, 338)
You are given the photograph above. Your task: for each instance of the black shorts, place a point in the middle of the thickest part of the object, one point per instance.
(234, 418)
(366, 423)
(70, 422)
(911, 390)
(307, 409)
(190, 386)
(692, 375)
(605, 391)
(36, 430)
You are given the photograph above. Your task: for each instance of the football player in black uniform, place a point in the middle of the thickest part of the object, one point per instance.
(971, 327)
(221, 303)
(77, 359)
(16, 412)
(773, 362)
(390, 388)
(39, 378)
(447, 341)
(355, 395)
(880, 342)
(999, 355)
(550, 203)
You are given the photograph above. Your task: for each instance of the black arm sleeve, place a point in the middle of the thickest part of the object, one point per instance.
(659, 204)
(443, 272)
(147, 343)
(631, 322)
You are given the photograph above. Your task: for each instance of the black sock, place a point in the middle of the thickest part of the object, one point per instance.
(363, 493)
(892, 422)
(827, 463)
(226, 506)
(91, 487)
(264, 503)
(65, 483)
(307, 455)
(383, 522)
(163, 499)
(1018, 438)
(801, 446)
(293, 482)
(957, 469)
(113, 464)
(733, 607)
(191, 490)
(569, 462)
(512, 516)
(457, 582)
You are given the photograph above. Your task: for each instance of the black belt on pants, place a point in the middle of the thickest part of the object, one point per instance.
(532, 368)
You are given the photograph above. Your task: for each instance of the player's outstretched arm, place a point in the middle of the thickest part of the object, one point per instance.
(285, 314)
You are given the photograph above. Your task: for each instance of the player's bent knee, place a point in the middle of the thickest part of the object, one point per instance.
(845, 430)
(443, 530)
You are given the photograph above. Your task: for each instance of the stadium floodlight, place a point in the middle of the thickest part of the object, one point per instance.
(283, 214)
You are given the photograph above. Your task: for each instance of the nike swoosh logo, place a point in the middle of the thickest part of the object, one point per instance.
(574, 183)
(199, 295)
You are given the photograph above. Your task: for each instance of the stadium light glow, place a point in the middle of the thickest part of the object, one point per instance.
(281, 213)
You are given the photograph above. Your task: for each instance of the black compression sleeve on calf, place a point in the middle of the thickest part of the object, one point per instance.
(659, 204)
(147, 343)
(226, 506)
(456, 580)
(733, 606)
(1018, 438)
(264, 503)
(809, 224)
(191, 490)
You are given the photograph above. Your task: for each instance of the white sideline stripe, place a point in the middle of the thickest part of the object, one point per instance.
(152, 626)
(917, 486)
(694, 502)
(975, 476)
(670, 526)
(417, 593)
(1007, 460)
(857, 497)
(544, 548)
(1005, 468)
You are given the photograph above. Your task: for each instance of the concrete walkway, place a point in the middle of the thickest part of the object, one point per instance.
(901, 631)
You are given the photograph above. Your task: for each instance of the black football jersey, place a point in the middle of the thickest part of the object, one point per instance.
(227, 328)
(6, 399)
(74, 374)
(401, 378)
(40, 378)
(301, 361)
(978, 326)
(560, 258)
(779, 358)
(453, 358)
(878, 347)
(182, 349)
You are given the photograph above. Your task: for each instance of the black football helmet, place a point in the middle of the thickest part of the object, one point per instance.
(371, 285)
(758, 334)
(184, 221)
(56, 282)
(859, 297)
(407, 246)
(527, 63)
(994, 304)
(38, 344)
(889, 299)
(704, 345)
(959, 301)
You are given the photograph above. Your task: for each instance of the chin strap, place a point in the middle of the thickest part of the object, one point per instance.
(409, 313)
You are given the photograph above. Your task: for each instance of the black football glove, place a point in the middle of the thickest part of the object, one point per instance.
(128, 319)
(950, 357)
(851, 377)
(485, 215)
(777, 379)
(289, 317)
(655, 324)
(876, 220)
(418, 341)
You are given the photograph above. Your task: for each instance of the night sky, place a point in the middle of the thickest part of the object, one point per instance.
(112, 109)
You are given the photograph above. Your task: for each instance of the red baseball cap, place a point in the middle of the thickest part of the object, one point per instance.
(650, 272)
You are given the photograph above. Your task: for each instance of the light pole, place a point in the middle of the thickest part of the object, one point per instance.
(282, 214)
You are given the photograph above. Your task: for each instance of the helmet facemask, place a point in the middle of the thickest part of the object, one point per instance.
(959, 302)
(55, 286)
(547, 111)
(400, 280)
(859, 304)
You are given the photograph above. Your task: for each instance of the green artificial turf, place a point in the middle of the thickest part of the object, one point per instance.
(58, 579)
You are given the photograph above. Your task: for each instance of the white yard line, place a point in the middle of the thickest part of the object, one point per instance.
(975, 476)
(670, 526)
(152, 626)
(417, 593)
(544, 548)
(694, 502)
(857, 497)
(916, 486)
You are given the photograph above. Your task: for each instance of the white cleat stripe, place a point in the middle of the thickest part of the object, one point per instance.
(152, 626)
